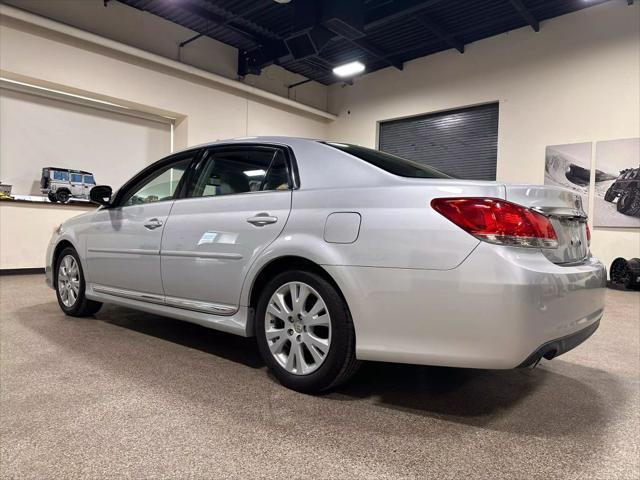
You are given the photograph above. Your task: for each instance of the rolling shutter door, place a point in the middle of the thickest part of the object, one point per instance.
(463, 143)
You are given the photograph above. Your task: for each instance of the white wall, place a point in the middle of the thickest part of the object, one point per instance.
(152, 33)
(577, 80)
(207, 110)
(38, 132)
(25, 230)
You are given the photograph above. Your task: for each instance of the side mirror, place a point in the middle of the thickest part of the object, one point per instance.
(101, 194)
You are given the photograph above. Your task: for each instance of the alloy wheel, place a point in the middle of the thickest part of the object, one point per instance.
(68, 281)
(298, 328)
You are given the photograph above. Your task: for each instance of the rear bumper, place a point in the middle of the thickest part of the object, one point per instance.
(561, 345)
(492, 311)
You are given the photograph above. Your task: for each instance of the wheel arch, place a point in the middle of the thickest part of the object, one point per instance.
(62, 244)
(278, 265)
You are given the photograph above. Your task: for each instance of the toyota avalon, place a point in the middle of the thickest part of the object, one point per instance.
(331, 253)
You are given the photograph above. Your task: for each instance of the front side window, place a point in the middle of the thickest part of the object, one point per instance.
(160, 185)
(60, 175)
(240, 170)
(89, 180)
(76, 178)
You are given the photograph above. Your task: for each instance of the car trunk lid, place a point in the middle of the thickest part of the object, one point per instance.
(565, 212)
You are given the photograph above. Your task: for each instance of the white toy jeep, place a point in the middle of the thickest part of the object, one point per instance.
(62, 184)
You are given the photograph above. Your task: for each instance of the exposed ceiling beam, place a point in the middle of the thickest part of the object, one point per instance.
(438, 31)
(526, 14)
(395, 10)
(371, 49)
(217, 20)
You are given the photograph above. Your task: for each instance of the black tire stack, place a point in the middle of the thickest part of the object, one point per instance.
(625, 274)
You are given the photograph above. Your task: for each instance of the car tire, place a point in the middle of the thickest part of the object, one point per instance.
(337, 364)
(63, 196)
(52, 197)
(629, 203)
(609, 196)
(70, 286)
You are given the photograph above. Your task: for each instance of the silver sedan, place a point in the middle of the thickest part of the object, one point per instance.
(332, 253)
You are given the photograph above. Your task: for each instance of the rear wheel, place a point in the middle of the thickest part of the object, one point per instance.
(629, 203)
(70, 286)
(305, 333)
(63, 196)
(52, 197)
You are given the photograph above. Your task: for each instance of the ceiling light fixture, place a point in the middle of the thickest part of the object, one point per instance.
(254, 173)
(349, 69)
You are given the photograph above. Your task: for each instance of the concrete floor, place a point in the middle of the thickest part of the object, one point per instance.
(133, 395)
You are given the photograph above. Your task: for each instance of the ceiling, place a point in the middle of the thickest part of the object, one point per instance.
(310, 37)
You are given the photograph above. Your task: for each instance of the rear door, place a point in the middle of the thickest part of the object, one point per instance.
(239, 198)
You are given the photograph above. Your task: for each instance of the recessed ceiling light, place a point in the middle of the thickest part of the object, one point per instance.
(349, 69)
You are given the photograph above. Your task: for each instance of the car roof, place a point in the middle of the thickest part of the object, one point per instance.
(276, 140)
(69, 170)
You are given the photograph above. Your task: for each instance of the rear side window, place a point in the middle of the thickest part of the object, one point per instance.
(76, 178)
(231, 170)
(59, 175)
(390, 163)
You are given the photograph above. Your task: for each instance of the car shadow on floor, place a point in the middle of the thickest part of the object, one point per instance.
(556, 399)
(225, 345)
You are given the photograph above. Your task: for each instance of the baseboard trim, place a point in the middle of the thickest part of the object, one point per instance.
(20, 271)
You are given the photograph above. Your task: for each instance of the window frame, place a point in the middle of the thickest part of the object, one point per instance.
(63, 173)
(143, 176)
(292, 170)
(71, 174)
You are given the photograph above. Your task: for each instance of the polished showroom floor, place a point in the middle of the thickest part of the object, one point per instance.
(133, 395)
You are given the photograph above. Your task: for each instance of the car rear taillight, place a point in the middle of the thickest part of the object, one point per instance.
(497, 221)
(588, 234)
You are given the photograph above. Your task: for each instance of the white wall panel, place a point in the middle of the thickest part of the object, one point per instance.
(37, 132)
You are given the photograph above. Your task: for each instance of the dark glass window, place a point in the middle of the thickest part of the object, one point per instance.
(76, 178)
(89, 179)
(60, 175)
(225, 171)
(390, 163)
(158, 186)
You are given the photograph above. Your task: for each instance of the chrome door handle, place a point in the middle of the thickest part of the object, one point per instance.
(262, 219)
(153, 223)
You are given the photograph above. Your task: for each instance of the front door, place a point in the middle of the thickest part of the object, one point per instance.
(123, 242)
(76, 187)
(238, 203)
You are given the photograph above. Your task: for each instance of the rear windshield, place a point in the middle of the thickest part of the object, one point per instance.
(390, 163)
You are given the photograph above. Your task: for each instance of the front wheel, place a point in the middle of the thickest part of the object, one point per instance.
(305, 333)
(70, 286)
